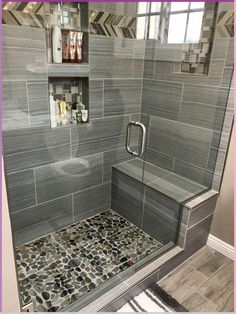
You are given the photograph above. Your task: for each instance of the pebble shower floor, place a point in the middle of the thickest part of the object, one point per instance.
(58, 269)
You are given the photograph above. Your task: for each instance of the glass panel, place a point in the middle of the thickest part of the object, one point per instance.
(155, 6)
(141, 27)
(154, 27)
(194, 27)
(179, 6)
(197, 5)
(143, 7)
(177, 26)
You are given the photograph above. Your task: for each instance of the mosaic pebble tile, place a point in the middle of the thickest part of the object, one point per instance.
(56, 270)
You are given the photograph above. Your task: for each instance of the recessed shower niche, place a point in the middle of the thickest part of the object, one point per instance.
(68, 98)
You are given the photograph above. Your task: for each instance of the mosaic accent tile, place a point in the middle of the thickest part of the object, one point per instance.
(58, 269)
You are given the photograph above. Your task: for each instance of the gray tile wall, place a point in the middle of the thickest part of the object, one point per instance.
(155, 213)
(185, 113)
(51, 169)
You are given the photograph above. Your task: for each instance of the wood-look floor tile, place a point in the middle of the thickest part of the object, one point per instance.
(197, 303)
(207, 261)
(228, 304)
(219, 286)
(182, 281)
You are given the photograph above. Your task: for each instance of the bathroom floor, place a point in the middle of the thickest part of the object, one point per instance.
(204, 283)
(58, 269)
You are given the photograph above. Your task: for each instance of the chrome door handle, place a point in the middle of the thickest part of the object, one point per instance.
(143, 141)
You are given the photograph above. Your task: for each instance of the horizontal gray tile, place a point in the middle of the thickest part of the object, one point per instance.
(145, 96)
(127, 183)
(18, 141)
(38, 102)
(98, 146)
(138, 68)
(160, 226)
(108, 66)
(220, 140)
(96, 105)
(69, 176)
(21, 190)
(164, 99)
(15, 105)
(202, 115)
(214, 96)
(202, 211)
(68, 70)
(167, 71)
(141, 171)
(92, 201)
(126, 204)
(14, 98)
(181, 141)
(122, 97)
(216, 68)
(31, 66)
(177, 187)
(149, 67)
(36, 221)
(162, 202)
(196, 174)
(158, 159)
(111, 45)
(37, 90)
(198, 234)
(112, 158)
(227, 76)
(99, 129)
(23, 32)
(22, 120)
(36, 158)
(216, 160)
(122, 8)
(230, 53)
(219, 48)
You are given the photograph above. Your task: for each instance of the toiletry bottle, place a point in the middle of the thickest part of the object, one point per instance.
(72, 46)
(56, 37)
(63, 112)
(79, 37)
(74, 114)
(58, 114)
(52, 107)
(49, 44)
(84, 115)
(65, 46)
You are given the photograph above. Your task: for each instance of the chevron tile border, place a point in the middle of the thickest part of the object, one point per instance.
(112, 25)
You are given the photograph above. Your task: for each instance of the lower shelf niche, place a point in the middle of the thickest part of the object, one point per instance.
(69, 101)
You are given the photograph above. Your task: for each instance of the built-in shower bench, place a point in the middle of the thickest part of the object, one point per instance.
(172, 185)
(157, 199)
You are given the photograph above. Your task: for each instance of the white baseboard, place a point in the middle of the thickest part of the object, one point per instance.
(221, 246)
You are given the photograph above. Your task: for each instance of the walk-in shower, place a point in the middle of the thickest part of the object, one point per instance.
(93, 201)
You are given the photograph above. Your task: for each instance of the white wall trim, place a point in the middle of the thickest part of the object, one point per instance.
(221, 246)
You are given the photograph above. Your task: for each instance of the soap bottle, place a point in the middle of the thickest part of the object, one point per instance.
(56, 37)
(52, 107)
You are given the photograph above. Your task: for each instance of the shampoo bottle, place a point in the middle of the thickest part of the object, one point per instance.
(56, 38)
